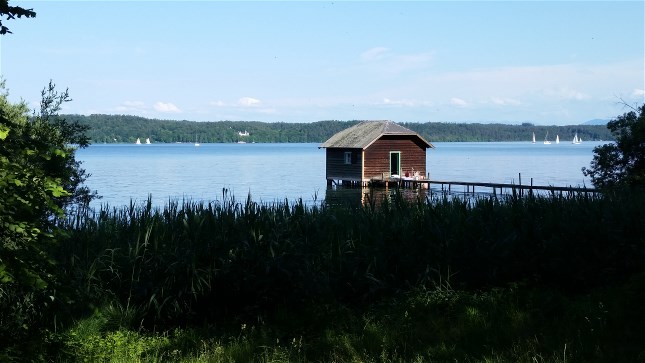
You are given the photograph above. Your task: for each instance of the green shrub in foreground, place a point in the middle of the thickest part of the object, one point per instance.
(205, 262)
(515, 324)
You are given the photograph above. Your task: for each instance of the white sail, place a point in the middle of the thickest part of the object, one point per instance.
(557, 139)
(147, 140)
(534, 137)
(138, 142)
(546, 140)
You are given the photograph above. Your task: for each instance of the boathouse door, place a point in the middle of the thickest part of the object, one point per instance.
(395, 163)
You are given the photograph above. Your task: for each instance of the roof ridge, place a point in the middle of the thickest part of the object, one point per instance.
(366, 132)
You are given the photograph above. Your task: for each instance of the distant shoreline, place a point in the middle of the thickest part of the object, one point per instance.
(126, 129)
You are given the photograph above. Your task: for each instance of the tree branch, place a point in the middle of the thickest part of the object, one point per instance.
(11, 12)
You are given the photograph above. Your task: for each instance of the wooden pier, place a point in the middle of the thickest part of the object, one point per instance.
(449, 186)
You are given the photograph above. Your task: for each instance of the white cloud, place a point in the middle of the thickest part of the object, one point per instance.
(566, 94)
(166, 107)
(217, 103)
(638, 93)
(382, 60)
(458, 102)
(412, 59)
(134, 104)
(248, 102)
(505, 101)
(131, 106)
(536, 85)
(405, 102)
(268, 110)
(373, 54)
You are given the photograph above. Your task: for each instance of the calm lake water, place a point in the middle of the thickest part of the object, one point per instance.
(274, 172)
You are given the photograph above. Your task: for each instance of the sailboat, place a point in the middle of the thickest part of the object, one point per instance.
(196, 143)
(546, 141)
(576, 140)
(148, 140)
(534, 137)
(557, 139)
(138, 142)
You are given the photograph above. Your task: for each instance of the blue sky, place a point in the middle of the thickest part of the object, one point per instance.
(547, 62)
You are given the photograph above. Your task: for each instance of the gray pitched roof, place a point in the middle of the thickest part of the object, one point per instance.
(362, 135)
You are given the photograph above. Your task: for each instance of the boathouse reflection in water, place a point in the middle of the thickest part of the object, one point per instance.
(347, 196)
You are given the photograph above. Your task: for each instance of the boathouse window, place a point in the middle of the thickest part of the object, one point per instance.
(348, 157)
(395, 163)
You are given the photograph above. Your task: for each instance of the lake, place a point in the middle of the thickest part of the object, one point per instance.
(275, 172)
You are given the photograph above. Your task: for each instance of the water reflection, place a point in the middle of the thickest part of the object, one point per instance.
(354, 197)
(370, 196)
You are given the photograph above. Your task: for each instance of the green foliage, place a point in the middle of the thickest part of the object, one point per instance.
(11, 12)
(90, 341)
(621, 163)
(503, 280)
(477, 132)
(126, 129)
(39, 178)
(198, 263)
(439, 324)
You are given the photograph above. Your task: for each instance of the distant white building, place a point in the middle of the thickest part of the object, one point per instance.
(245, 133)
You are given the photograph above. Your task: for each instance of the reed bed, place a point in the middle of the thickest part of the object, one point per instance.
(438, 278)
(203, 263)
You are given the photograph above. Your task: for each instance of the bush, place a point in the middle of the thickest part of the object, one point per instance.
(206, 263)
(39, 178)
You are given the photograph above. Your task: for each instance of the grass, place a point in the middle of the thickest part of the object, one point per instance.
(439, 325)
(535, 279)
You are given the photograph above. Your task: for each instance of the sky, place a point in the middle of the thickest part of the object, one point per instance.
(545, 62)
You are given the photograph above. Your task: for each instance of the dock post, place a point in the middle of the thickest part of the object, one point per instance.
(520, 181)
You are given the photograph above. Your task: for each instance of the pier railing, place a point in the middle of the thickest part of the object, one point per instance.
(493, 188)
(500, 188)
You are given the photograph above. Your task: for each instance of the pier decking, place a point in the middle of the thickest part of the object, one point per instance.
(449, 186)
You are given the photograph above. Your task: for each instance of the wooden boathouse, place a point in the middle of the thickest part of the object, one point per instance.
(375, 151)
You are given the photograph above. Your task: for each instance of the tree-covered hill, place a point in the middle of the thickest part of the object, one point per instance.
(126, 129)
(443, 131)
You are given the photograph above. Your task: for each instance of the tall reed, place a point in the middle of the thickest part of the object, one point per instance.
(201, 262)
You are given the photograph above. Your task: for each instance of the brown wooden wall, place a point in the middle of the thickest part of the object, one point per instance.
(336, 168)
(377, 155)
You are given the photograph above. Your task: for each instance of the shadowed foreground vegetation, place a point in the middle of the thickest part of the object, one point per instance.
(538, 279)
